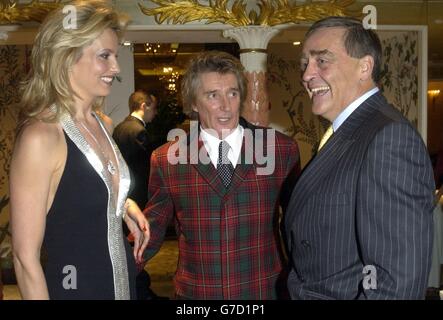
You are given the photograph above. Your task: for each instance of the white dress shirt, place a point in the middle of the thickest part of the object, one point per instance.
(139, 118)
(235, 140)
(351, 108)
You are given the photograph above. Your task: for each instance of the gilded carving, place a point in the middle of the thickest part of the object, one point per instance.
(13, 12)
(271, 13)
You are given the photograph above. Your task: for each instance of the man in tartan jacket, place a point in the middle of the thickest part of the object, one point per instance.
(228, 230)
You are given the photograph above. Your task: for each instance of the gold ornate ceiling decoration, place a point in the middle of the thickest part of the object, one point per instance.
(272, 12)
(13, 12)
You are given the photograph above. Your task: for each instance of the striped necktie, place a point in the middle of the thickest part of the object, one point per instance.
(225, 168)
(325, 137)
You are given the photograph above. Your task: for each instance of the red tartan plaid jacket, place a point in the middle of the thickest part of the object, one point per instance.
(228, 238)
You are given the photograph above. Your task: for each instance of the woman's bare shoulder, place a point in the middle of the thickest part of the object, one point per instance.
(40, 135)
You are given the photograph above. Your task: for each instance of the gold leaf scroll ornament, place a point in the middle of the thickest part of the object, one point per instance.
(12, 12)
(271, 12)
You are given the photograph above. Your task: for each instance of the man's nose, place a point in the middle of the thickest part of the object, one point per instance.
(225, 103)
(310, 72)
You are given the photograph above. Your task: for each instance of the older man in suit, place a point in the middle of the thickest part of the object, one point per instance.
(359, 223)
(222, 184)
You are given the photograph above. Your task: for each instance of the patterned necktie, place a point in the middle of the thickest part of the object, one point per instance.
(325, 137)
(225, 168)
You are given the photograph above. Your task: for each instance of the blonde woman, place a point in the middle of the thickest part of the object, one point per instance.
(68, 180)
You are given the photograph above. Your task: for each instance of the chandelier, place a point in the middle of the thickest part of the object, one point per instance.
(161, 49)
(170, 78)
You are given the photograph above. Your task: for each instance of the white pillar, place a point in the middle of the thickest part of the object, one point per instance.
(116, 103)
(253, 41)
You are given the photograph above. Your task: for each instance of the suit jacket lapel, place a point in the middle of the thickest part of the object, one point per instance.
(314, 173)
(328, 157)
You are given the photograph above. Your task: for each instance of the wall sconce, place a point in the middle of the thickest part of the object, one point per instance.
(4, 35)
(433, 94)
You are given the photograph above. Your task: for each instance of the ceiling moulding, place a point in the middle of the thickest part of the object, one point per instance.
(14, 12)
(271, 13)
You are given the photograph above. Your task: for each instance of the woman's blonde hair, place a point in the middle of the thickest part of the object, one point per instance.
(58, 46)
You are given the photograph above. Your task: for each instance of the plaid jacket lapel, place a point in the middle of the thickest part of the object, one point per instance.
(207, 171)
(241, 171)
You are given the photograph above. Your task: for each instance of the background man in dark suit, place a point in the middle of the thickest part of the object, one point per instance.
(224, 203)
(136, 147)
(359, 223)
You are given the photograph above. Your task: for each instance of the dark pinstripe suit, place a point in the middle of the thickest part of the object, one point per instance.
(365, 199)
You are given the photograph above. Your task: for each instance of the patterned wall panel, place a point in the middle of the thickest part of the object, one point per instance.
(14, 63)
(400, 72)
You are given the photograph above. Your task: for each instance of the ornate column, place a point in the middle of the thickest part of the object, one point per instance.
(252, 30)
(253, 41)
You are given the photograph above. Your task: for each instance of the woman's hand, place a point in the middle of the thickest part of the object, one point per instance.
(139, 227)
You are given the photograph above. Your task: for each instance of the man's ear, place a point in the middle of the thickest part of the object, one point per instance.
(366, 65)
(194, 108)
